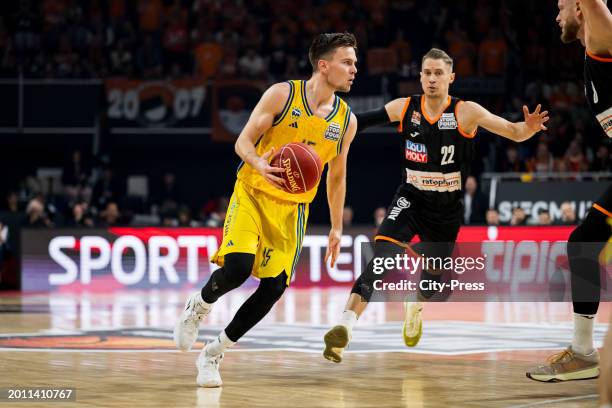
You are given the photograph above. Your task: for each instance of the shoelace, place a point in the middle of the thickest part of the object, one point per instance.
(194, 315)
(214, 361)
(555, 358)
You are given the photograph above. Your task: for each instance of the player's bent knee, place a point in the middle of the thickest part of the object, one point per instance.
(237, 268)
(274, 287)
(363, 286)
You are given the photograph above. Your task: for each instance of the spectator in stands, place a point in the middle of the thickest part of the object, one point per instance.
(544, 217)
(474, 203)
(574, 158)
(492, 54)
(74, 176)
(105, 190)
(111, 216)
(511, 162)
(462, 49)
(149, 60)
(602, 159)
(121, 59)
(216, 217)
(65, 58)
(252, 65)
(26, 26)
(167, 193)
(518, 217)
(185, 219)
(568, 214)
(492, 217)
(543, 162)
(81, 216)
(175, 42)
(228, 68)
(347, 216)
(11, 204)
(168, 219)
(208, 55)
(278, 55)
(150, 13)
(379, 216)
(35, 214)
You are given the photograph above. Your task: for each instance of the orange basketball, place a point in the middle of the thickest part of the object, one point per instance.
(302, 167)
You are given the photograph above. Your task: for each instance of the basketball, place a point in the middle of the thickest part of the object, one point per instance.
(302, 167)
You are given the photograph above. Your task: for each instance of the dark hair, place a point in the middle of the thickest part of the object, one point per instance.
(436, 53)
(323, 44)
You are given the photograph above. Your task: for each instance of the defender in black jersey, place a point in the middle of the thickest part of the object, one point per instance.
(589, 21)
(437, 140)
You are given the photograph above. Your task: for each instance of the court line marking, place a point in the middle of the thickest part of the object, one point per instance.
(289, 349)
(552, 401)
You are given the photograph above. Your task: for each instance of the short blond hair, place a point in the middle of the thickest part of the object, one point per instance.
(436, 53)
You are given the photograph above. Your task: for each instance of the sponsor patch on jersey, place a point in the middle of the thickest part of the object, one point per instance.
(434, 181)
(416, 118)
(416, 152)
(296, 113)
(447, 121)
(401, 204)
(605, 120)
(333, 132)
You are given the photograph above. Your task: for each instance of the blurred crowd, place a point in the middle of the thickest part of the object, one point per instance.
(515, 43)
(83, 196)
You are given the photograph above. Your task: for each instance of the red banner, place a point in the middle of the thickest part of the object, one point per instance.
(143, 258)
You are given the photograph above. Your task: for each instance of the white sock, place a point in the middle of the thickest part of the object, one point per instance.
(219, 345)
(348, 319)
(202, 302)
(583, 333)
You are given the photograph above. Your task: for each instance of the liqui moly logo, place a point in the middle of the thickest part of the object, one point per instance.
(416, 152)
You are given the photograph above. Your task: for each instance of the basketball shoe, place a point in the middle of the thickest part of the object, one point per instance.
(413, 323)
(567, 365)
(208, 369)
(336, 339)
(187, 325)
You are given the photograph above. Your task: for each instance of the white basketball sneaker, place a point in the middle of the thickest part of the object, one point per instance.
(186, 328)
(208, 369)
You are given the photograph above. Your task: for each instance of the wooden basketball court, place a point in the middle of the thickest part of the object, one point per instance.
(117, 351)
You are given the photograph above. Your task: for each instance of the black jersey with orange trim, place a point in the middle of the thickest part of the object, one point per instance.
(598, 88)
(437, 155)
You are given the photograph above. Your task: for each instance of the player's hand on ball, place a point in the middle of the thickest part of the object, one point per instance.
(333, 246)
(535, 121)
(267, 171)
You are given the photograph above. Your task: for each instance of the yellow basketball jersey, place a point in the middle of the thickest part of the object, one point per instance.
(297, 123)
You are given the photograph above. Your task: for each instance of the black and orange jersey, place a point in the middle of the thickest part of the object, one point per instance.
(437, 154)
(598, 88)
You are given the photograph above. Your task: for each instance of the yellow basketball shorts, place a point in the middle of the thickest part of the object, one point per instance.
(271, 229)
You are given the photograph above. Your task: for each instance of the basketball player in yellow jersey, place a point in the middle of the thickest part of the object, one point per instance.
(264, 226)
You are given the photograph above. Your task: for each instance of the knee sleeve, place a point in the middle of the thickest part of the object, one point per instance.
(364, 285)
(235, 271)
(271, 289)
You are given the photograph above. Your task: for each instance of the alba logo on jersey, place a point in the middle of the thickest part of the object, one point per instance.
(416, 152)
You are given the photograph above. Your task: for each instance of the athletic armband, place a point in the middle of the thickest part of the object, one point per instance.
(372, 118)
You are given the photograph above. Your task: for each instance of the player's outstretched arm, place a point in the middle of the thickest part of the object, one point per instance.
(261, 119)
(472, 116)
(336, 191)
(598, 20)
(391, 112)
